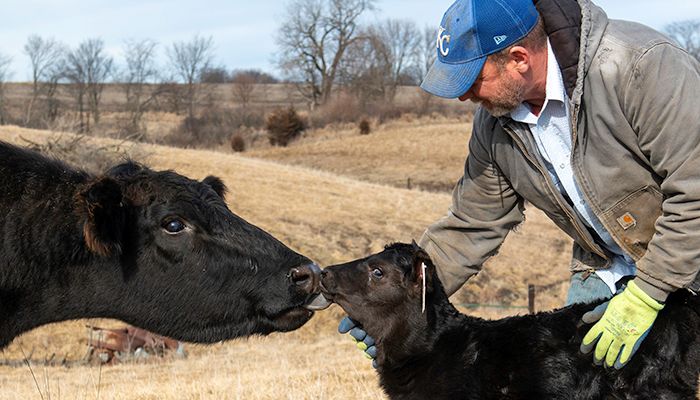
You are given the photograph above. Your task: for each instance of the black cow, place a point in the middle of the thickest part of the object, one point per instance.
(442, 354)
(152, 248)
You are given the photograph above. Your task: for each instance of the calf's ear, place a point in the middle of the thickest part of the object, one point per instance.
(422, 264)
(101, 201)
(217, 184)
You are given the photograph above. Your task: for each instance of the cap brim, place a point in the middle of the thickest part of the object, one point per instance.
(452, 80)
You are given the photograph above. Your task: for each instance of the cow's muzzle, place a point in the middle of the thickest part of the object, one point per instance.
(306, 277)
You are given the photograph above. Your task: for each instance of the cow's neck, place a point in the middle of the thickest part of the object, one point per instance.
(80, 295)
(46, 274)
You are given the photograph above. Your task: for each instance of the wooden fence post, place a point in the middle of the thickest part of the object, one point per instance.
(531, 298)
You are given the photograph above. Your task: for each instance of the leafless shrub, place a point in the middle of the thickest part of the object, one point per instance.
(284, 125)
(237, 143)
(364, 127)
(386, 112)
(343, 108)
(248, 117)
(196, 132)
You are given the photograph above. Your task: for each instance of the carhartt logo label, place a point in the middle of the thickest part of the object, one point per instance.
(500, 39)
(627, 221)
(442, 42)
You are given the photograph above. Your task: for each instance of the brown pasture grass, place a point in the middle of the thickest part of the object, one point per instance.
(429, 152)
(326, 216)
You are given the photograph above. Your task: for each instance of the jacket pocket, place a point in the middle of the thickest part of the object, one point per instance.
(632, 220)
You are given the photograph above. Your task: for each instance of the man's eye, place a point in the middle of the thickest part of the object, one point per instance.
(377, 273)
(174, 226)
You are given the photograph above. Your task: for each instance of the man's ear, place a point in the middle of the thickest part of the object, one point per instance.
(101, 202)
(522, 59)
(217, 184)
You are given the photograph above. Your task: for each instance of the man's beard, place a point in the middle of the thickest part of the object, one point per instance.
(509, 96)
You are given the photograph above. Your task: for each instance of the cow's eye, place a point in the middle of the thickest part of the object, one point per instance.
(174, 226)
(377, 273)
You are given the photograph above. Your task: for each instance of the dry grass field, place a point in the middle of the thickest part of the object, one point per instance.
(329, 217)
(428, 151)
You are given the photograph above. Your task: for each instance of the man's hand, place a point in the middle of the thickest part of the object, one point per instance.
(364, 342)
(626, 321)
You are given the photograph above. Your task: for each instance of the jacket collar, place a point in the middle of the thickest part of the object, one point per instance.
(575, 29)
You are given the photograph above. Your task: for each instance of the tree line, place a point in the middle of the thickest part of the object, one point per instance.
(324, 46)
(82, 72)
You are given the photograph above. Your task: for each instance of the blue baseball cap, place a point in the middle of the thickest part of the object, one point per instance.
(469, 32)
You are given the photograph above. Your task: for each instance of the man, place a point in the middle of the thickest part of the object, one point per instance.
(594, 121)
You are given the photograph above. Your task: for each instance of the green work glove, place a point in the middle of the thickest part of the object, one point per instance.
(363, 341)
(626, 321)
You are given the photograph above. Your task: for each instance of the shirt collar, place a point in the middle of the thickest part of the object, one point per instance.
(554, 91)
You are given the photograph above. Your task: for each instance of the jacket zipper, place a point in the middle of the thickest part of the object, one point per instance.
(554, 192)
(574, 137)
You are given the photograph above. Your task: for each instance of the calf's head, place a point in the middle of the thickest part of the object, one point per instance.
(385, 291)
(186, 266)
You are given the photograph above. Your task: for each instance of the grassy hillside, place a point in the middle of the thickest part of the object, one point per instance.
(429, 152)
(327, 217)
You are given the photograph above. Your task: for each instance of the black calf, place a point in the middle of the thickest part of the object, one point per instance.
(442, 354)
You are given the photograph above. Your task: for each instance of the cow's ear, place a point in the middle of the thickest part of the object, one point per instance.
(217, 184)
(105, 217)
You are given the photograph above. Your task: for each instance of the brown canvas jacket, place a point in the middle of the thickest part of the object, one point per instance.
(636, 157)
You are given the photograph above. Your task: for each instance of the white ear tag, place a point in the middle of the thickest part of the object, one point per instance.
(423, 267)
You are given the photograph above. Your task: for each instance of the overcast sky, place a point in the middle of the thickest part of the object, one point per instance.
(243, 31)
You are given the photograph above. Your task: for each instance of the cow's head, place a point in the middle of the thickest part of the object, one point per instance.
(188, 267)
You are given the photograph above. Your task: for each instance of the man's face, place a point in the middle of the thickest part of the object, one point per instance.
(497, 89)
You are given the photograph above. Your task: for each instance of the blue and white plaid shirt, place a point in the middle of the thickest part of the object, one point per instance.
(552, 134)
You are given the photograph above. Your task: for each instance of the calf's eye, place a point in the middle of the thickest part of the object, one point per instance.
(174, 226)
(377, 273)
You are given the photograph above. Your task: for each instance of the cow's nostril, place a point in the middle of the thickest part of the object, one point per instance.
(300, 277)
(306, 277)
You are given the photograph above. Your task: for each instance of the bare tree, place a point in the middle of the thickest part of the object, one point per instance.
(188, 60)
(313, 40)
(5, 62)
(426, 57)
(44, 55)
(257, 75)
(383, 58)
(243, 88)
(88, 68)
(214, 75)
(427, 52)
(140, 72)
(54, 74)
(687, 34)
(400, 40)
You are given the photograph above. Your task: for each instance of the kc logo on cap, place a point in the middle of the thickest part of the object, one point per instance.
(441, 40)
